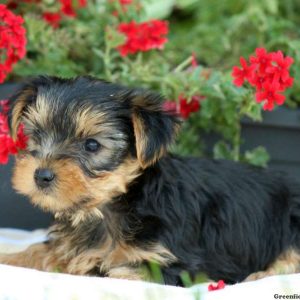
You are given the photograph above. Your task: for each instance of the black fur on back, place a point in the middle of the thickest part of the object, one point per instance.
(222, 218)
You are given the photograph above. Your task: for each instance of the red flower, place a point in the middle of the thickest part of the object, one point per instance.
(67, 8)
(262, 58)
(6, 147)
(52, 18)
(4, 106)
(115, 13)
(31, 1)
(143, 37)
(125, 2)
(288, 83)
(21, 142)
(12, 5)
(257, 81)
(269, 74)
(194, 60)
(270, 94)
(219, 286)
(186, 108)
(282, 65)
(82, 3)
(7, 144)
(280, 69)
(183, 108)
(12, 40)
(242, 74)
(170, 106)
(3, 124)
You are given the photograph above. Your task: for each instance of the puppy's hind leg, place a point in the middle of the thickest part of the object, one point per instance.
(286, 263)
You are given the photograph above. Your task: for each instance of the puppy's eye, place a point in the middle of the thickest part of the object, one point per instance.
(34, 153)
(91, 145)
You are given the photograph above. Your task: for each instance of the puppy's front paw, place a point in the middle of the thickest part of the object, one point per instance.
(4, 258)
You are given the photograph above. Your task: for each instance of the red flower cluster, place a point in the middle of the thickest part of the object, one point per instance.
(219, 286)
(52, 18)
(7, 144)
(184, 108)
(67, 9)
(125, 2)
(268, 73)
(143, 36)
(12, 40)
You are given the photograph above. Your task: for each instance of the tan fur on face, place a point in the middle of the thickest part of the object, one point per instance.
(40, 112)
(88, 120)
(72, 187)
(287, 263)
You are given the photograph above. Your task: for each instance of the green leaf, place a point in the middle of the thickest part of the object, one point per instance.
(196, 73)
(271, 6)
(258, 157)
(98, 52)
(113, 38)
(187, 4)
(156, 273)
(157, 9)
(222, 151)
(186, 279)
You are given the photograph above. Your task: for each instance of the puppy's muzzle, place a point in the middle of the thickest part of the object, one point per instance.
(43, 178)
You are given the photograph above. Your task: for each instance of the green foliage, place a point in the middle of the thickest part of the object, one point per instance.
(218, 32)
(154, 272)
(222, 31)
(43, 52)
(258, 157)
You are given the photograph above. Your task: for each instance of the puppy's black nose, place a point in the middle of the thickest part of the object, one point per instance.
(43, 177)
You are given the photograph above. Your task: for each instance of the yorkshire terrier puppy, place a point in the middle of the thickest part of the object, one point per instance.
(97, 159)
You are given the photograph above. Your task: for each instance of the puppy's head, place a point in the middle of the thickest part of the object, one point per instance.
(88, 140)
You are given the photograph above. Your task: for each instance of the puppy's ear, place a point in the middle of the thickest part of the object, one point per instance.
(25, 95)
(154, 128)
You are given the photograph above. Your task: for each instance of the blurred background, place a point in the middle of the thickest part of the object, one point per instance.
(185, 49)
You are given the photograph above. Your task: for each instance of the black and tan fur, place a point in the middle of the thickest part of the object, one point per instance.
(130, 202)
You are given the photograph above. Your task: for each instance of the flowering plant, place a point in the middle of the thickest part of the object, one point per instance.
(7, 144)
(268, 73)
(12, 40)
(130, 41)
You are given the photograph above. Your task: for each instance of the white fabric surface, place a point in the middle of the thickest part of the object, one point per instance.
(14, 240)
(22, 284)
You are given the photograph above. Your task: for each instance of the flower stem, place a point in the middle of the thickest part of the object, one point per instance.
(237, 141)
(184, 64)
(107, 63)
